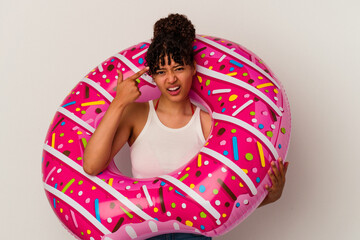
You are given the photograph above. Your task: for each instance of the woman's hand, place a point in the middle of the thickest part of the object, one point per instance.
(127, 90)
(277, 176)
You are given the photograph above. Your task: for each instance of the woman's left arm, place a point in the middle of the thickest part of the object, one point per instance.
(277, 176)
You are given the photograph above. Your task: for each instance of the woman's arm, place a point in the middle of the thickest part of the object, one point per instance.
(115, 127)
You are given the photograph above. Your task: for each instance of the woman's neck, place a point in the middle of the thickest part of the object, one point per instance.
(174, 108)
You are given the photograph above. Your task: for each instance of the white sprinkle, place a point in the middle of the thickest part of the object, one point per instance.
(254, 120)
(168, 214)
(195, 218)
(59, 170)
(272, 126)
(217, 203)
(246, 202)
(222, 58)
(206, 162)
(209, 175)
(123, 69)
(223, 169)
(80, 193)
(276, 98)
(94, 73)
(67, 217)
(77, 93)
(183, 205)
(212, 53)
(234, 106)
(109, 220)
(281, 109)
(128, 187)
(176, 226)
(52, 179)
(104, 76)
(218, 222)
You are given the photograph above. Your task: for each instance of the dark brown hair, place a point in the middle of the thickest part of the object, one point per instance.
(173, 37)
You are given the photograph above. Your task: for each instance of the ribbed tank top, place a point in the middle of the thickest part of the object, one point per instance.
(160, 150)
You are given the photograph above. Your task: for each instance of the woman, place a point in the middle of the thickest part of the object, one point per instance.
(165, 133)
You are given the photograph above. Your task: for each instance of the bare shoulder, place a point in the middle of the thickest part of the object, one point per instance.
(205, 123)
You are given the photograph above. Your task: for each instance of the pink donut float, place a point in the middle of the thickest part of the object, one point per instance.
(213, 192)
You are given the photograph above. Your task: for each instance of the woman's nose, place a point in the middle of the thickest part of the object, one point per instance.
(172, 78)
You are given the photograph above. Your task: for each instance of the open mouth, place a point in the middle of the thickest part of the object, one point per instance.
(173, 89)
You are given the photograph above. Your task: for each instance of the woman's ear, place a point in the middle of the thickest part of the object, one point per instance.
(194, 68)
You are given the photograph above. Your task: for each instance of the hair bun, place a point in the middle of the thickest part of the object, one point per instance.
(175, 25)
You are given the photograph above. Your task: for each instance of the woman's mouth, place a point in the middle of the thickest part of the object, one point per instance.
(174, 90)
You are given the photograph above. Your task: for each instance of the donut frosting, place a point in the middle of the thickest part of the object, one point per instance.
(211, 194)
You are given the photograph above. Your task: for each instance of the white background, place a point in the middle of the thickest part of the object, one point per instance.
(312, 46)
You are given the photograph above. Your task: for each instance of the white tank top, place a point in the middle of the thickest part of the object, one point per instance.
(160, 150)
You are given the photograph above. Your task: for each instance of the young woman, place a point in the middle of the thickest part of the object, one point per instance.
(165, 133)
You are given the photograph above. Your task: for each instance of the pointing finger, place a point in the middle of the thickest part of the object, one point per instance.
(139, 73)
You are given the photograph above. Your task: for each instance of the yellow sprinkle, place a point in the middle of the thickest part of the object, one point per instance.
(264, 85)
(211, 67)
(245, 170)
(224, 215)
(233, 97)
(206, 143)
(241, 185)
(232, 74)
(88, 231)
(77, 109)
(276, 91)
(93, 103)
(199, 160)
(79, 132)
(111, 180)
(260, 77)
(61, 210)
(261, 152)
(187, 169)
(156, 209)
(200, 79)
(70, 141)
(53, 140)
(188, 223)
(192, 185)
(93, 188)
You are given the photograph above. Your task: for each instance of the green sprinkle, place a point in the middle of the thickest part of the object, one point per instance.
(215, 191)
(207, 82)
(203, 215)
(233, 130)
(283, 130)
(269, 134)
(61, 134)
(107, 80)
(80, 182)
(68, 185)
(173, 205)
(249, 156)
(252, 113)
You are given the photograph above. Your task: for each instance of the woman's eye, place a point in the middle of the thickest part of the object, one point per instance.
(160, 72)
(180, 69)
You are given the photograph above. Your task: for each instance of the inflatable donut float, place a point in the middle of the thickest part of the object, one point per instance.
(213, 192)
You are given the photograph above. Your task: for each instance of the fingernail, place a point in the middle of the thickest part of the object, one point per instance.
(273, 163)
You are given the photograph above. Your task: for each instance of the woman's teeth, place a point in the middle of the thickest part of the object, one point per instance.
(174, 88)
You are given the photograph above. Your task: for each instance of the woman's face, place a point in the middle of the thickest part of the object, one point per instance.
(174, 80)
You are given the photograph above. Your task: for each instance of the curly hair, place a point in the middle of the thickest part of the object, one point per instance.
(173, 37)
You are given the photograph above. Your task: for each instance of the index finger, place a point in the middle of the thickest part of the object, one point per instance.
(139, 73)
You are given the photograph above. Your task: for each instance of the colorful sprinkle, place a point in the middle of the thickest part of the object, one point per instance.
(249, 156)
(233, 97)
(235, 148)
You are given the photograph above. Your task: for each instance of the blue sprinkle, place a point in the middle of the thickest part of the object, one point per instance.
(223, 110)
(236, 63)
(202, 188)
(257, 179)
(142, 46)
(68, 104)
(279, 146)
(225, 152)
(237, 204)
(194, 47)
(55, 185)
(97, 212)
(232, 69)
(209, 92)
(261, 126)
(112, 60)
(54, 203)
(162, 183)
(202, 227)
(63, 123)
(42, 159)
(235, 148)
(179, 193)
(141, 61)
(156, 219)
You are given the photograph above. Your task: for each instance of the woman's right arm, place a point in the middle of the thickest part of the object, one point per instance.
(114, 129)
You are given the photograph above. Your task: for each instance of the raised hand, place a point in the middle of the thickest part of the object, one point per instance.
(127, 90)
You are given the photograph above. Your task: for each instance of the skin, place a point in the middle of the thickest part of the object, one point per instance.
(125, 119)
